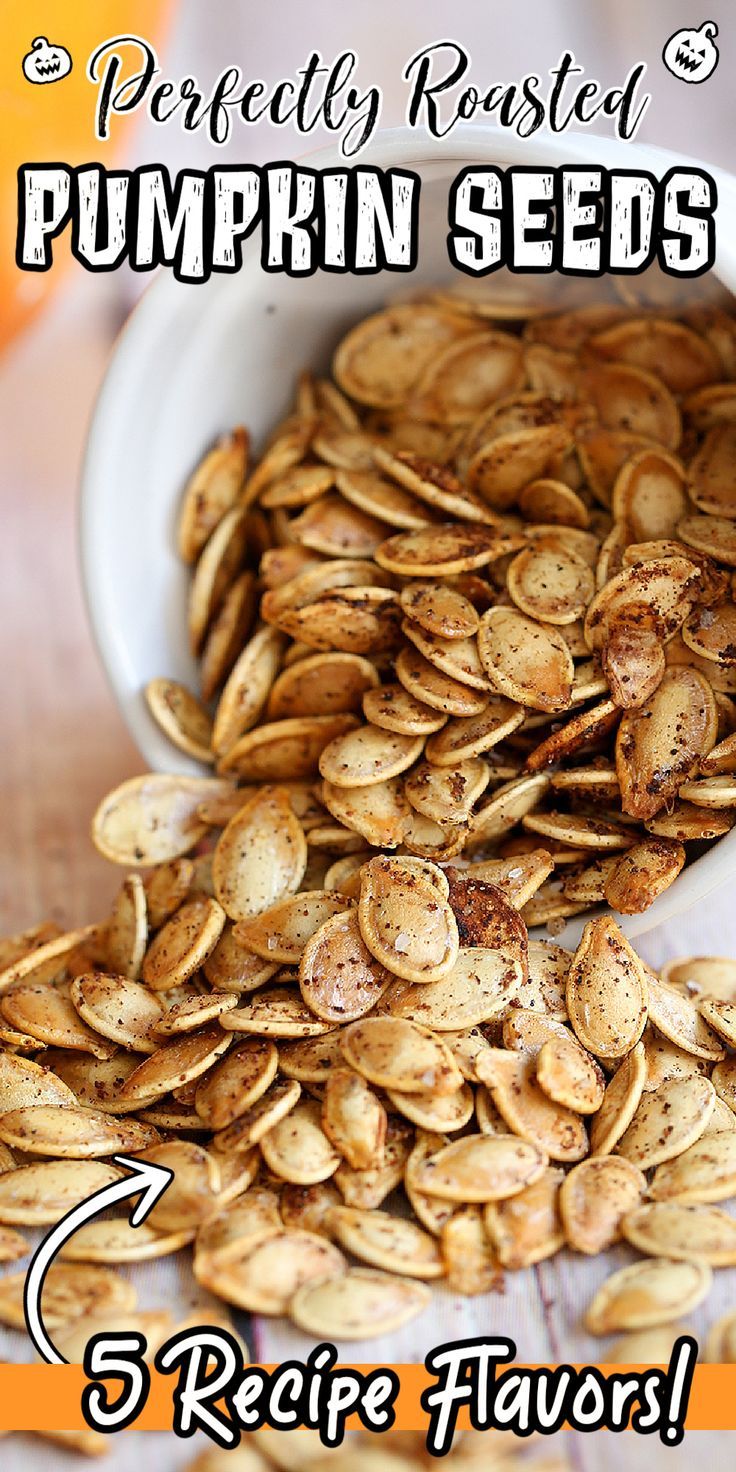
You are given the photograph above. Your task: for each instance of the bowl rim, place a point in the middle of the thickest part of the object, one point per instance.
(161, 302)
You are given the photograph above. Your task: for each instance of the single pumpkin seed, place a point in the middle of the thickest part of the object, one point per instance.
(433, 687)
(595, 1197)
(176, 1063)
(407, 925)
(119, 1009)
(339, 977)
(153, 819)
(705, 1172)
(480, 986)
(247, 688)
(72, 1133)
(359, 1304)
(647, 1294)
(526, 662)
(700, 1234)
(354, 1119)
(659, 745)
(606, 991)
(49, 1015)
(668, 1121)
(119, 1242)
(42, 1193)
(260, 857)
(677, 1018)
(387, 1242)
(620, 1102)
(480, 1168)
(392, 1053)
(236, 1082)
(126, 932)
(182, 717)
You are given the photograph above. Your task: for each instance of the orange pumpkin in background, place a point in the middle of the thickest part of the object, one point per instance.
(54, 121)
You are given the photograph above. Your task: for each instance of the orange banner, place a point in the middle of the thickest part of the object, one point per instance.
(41, 123)
(48, 1398)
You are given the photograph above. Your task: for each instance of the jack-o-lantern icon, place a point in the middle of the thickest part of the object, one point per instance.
(691, 55)
(46, 63)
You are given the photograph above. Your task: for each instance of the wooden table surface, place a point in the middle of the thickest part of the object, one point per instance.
(64, 745)
(62, 739)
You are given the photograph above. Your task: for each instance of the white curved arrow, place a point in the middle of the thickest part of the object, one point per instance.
(150, 1181)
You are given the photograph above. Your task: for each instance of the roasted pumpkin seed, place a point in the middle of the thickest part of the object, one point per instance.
(525, 662)
(480, 1168)
(699, 1234)
(260, 857)
(594, 1199)
(647, 1294)
(606, 991)
(406, 924)
(359, 1304)
(668, 1121)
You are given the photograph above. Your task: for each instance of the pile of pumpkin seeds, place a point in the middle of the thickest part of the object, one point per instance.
(363, 1086)
(467, 624)
(477, 595)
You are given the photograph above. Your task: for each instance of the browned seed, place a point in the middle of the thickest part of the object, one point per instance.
(606, 991)
(480, 1168)
(182, 717)
(668, 1121)
(658, 745)
(42, 1193)
(643, 873)
(49, 1015)
(183, 943)
(77, 1134)
(595, 1196)
(339, 978)
(354, 1119)
(276, 1012)
(123, 1011)
(211, 491)
(260, 857)
(232, 967)
(406, 924)
(126, 932)
(392, 1053)
(525, 661)
(236, 1082)
(176, 1063)
(620, 1102)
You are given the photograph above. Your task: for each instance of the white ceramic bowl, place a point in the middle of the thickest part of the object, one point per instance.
(194, 360)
